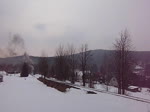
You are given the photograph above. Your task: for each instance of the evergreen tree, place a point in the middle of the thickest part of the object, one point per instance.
(25, 70)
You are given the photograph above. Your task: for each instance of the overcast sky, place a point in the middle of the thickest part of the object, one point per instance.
(44, 24)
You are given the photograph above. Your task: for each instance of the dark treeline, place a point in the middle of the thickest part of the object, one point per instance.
(69, 62)
(114, 67)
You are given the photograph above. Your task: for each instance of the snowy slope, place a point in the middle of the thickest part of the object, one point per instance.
(29, 95)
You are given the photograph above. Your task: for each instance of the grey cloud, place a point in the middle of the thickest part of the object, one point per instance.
(40, 27)
(96, 22)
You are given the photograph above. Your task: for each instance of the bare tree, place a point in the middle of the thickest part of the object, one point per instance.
(61, 64)
(72, 61)
(84, 58)
(43, 65)
(123, 60)
(107, 69)
(92, 77)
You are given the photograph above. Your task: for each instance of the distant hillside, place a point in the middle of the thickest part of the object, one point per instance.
(19, 59)
(97, 57)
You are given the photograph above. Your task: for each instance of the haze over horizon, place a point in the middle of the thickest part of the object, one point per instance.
(44, 24)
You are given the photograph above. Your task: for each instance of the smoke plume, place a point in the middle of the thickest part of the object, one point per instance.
(14, 47)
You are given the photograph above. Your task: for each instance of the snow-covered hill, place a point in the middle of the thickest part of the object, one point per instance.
(29, 95)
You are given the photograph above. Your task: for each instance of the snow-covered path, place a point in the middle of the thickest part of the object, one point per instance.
(29, 95)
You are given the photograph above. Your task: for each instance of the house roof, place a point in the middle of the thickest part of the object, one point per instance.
(137, 67)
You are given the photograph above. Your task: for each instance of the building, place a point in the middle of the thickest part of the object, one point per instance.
(139, 70)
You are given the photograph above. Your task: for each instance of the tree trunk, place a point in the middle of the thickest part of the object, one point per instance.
(83, 78)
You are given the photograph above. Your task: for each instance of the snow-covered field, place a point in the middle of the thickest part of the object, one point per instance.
(145, 94)
(29, 95)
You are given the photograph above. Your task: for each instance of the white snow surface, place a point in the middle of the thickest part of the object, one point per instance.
(145, 93)
(3, 73)
(29, 95)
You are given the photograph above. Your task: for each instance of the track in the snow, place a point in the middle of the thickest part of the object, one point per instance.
(101, 91)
